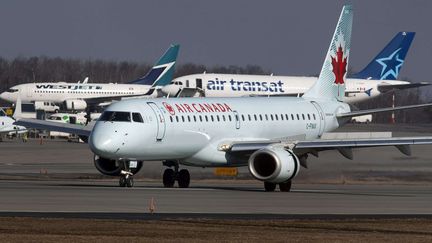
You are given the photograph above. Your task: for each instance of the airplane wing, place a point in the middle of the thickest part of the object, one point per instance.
(378, 110)
(342, 145)
(383, 88)
(56, 126)
(98, 100)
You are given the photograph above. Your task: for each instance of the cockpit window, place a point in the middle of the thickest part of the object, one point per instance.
(136, 117)
(118, 116)
(177, 82)
(12, 90)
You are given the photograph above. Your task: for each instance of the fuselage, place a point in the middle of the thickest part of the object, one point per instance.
(60, 92)
(192, 130)
(236, 85)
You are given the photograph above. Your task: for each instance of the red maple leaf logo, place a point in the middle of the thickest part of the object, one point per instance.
(169, 108)
(339, 66)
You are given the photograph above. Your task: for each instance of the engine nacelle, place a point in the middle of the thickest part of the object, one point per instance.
(75, 105)
(113, 167)
(275, 165)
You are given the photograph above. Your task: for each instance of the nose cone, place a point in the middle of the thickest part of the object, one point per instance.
(103, 143)
(170, 89)
(3, 96)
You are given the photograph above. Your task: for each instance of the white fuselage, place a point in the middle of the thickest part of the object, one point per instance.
(60, 92)
(236, 85)
(191, 130)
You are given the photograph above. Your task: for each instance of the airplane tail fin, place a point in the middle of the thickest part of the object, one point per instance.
(162, 72)
(387, 64)
(331, 81)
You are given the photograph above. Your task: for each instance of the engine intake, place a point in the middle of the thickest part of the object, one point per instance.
(275, 165)
(113, 167)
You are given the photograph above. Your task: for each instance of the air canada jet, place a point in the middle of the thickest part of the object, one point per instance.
(77, 96)
(378, 77)
(273, 136)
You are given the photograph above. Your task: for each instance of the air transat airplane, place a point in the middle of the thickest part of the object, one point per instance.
(77, 96)
(273, 136)
(378, 77)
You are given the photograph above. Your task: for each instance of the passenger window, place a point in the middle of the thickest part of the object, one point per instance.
(229, 117)
(243, 118)
(255, 116)
(189, 120)
(217, 117)
(308, 115)
(171, 119)
(298, 117)
(303, 116)
(200, 117)
(136, 117)
(314, 116)
(260, 117)
(211, 116)
(177, 119)
(194, 118)
(266, 117)
(206, 118)
(182, 118)
(249, 117)
(286, 117)
(223, 117)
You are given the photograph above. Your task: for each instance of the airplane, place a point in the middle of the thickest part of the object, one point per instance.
(378, 77)
(8, 127)
(78, 96)
(273, 136)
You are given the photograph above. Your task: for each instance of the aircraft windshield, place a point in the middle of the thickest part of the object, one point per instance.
(118, 116)
(12, 90)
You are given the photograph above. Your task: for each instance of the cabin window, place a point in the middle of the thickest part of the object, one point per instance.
(136, 117)
(182, 118)
(314, 116)
(177, 119)
(298, 117)
(249, 117)
(212, 119)
(206, 118)
(217, 117)
(255, 116)
(194, 118)
(171, 119)
(286, 117)
(308, 115)
(303, 116)
(266, 117)
(189, 120)
(200, 117)
(223, 117)
(260, 116)
(229, 117)
(243, 117)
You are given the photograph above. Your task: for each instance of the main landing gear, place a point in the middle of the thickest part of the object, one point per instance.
(170, 176)
(126, 176)
(284, 186)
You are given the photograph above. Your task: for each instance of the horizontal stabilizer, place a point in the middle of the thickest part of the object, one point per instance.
(383, 88)
(379, 110)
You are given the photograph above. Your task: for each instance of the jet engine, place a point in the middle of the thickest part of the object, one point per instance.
(75, 105)
(113, 167)
(273, 164)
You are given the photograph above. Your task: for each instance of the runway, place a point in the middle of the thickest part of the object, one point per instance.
(212, 198)
(56, 177)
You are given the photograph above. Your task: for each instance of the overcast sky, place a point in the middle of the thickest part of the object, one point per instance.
(286, 37)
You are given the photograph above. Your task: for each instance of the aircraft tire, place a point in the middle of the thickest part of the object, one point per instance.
(129, 181)
(285, 186)
(168, 178)
(183, 178)
(269, 187)
(122, 181)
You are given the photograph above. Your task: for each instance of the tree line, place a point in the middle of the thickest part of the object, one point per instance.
(56, 69)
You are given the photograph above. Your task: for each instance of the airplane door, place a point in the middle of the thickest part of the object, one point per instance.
(320, 117)
(161, 125)
(237, 119)
(199, 83)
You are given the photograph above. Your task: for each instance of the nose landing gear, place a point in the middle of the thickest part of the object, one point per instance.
(126, 176)
(170, 176)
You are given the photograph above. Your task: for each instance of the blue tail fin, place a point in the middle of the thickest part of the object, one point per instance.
(162, 72)
(387, 64)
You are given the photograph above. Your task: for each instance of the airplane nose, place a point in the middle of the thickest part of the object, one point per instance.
(102, 144)
(169, 90)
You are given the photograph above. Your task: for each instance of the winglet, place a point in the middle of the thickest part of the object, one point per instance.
(162, 72)
(387, 64)
(18, 108)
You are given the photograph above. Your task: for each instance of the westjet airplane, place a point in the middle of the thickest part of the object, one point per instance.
(378, 77)
(77, 96)
(273, 136)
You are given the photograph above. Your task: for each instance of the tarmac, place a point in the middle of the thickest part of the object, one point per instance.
(57, 178)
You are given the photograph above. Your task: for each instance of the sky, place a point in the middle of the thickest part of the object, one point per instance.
(285, 37)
